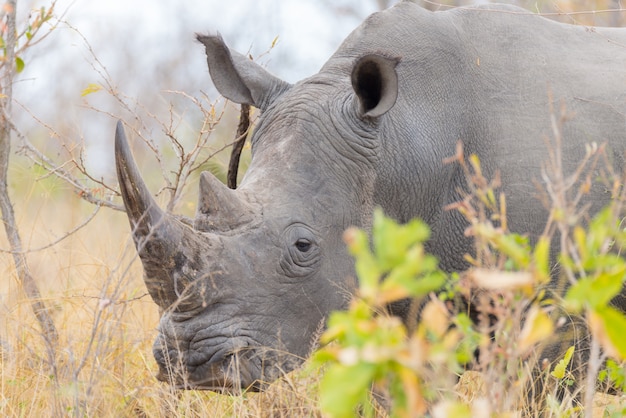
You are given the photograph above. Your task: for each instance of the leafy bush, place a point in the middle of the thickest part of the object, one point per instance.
(370, 350)
(370, 355)
(373, 348)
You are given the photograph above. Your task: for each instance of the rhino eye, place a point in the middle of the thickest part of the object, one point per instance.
(302, 253)
(303, 245)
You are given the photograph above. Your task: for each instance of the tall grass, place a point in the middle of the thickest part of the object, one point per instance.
(103, 364)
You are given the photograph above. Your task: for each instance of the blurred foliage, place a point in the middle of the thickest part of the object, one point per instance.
(602, 275)
(614, 374)
(367, 352)
(370, 348)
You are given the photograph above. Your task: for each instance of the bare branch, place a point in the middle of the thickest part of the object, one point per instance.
(59, 171)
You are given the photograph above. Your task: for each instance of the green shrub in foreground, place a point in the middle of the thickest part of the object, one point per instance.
(371, 348)
(367, 351)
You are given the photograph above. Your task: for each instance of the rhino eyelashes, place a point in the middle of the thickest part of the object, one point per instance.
(303, 245)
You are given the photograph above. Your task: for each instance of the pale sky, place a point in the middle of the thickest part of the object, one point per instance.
(148, 47)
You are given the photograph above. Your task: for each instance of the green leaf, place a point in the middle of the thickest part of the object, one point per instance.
(595, 292)
(392, 241)
(366, 267)
(561, 367)
(19, 64)
(343, 388)
(475, 162)
(614, 375)
(91, 88)
(541, 255)
(515, 247)
(580, 237)
(614, 329)
(537, 327)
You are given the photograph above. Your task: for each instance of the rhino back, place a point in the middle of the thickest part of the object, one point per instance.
(491, 77)
(531, 70)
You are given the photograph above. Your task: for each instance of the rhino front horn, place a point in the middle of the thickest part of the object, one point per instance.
(157, 235)
(143, 212)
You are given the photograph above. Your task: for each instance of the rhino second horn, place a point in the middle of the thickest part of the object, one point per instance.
(219, 208)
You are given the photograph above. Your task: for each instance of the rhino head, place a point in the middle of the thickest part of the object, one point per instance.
(245, 291)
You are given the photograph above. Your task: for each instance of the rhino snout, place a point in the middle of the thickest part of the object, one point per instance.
(220, 369)
(227, 375)
(227, 364)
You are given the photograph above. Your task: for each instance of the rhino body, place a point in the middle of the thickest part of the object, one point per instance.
(245, 292)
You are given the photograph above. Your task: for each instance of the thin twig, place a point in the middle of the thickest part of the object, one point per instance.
(58, 240)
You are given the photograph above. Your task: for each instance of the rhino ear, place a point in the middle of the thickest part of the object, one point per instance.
(375, 82)
(238, 78)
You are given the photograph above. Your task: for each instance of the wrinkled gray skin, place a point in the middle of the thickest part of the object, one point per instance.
(245, 292)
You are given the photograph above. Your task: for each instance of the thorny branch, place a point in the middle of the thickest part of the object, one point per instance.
(82, 190)
(175, 180)
(188, 162)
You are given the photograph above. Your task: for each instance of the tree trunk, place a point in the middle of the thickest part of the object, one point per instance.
(6, 207)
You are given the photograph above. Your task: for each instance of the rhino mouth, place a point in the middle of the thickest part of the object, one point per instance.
(215, 377)
(249, 370)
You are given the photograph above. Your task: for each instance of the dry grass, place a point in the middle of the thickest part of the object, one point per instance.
(103, 364)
